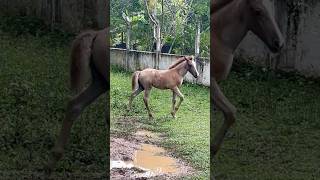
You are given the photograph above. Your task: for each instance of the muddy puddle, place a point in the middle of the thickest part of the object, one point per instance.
(137, 159)
(154, 159)
(149, 158)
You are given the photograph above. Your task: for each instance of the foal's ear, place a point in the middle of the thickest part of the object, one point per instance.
(191, 58)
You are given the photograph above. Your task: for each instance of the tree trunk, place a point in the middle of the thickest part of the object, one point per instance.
(197, 41)
(158, 44)
(156, 33)
(128, 42)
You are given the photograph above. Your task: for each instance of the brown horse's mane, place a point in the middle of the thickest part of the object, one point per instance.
(218, 4)
(177, 62)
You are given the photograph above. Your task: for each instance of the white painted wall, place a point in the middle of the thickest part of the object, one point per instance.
(300, 25)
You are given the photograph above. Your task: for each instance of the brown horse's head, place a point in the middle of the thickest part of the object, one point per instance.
(263, 25)
(192, 68)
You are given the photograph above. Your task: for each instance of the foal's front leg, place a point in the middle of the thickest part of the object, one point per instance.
(222, 103)
(174, 95)
(74, 109)
(177, 92)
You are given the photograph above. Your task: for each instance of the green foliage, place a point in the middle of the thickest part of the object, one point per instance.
(20, 25)
(187, 136)
(178, 24)
(34, 26)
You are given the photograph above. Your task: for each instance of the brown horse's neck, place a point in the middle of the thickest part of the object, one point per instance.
(181, 69)
(226, 30)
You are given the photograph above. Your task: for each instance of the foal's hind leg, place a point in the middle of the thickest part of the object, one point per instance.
(74, 109)
(146, 99)
(133, 95)
(228, 110)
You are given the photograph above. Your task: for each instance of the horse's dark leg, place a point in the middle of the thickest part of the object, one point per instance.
(146, 99)
(174, 95)
(222, 103)
(133, 95)
(74, 109)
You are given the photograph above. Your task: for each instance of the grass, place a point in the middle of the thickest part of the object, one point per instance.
(276, 134)
(187, 135)
(33, 97)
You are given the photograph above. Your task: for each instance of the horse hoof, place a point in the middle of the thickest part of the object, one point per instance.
(47, 170)
(173, 115)
(128, 109)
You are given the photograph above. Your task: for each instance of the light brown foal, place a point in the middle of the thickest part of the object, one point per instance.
(89, 80)
(231, 20)
(171, 78)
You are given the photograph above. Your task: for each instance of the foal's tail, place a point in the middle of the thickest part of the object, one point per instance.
(80, 72)
(135, 80)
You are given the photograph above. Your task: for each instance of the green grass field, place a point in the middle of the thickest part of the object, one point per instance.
(187, 136)
(277, 131)
(34, 93)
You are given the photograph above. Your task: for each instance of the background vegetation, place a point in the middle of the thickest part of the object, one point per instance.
(178, 19)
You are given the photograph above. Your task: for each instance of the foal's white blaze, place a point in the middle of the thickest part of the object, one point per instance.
(195, 67)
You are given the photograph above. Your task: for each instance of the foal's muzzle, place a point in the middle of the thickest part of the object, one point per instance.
(277, 45)
(196, 75)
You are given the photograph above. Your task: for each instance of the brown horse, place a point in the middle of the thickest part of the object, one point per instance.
(88, 66)
(230, 22)
(171, 78)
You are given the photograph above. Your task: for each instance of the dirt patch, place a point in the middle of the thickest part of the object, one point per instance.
(121, 149)
(147, 134)
(139, 157)
(147, 137)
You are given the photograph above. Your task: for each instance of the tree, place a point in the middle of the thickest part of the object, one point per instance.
(151, 9)
(180, 21)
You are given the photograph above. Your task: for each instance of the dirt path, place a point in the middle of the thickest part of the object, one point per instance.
(137, 155)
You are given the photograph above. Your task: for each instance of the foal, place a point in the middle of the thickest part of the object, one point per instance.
(171, 78)
(89, 63)
(231, 20)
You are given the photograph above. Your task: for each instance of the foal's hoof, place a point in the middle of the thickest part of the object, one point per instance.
(126, 113)
(57, 153)
(48, 169)
(173, 115)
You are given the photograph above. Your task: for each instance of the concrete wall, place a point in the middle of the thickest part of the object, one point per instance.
(300, 24)
(139, 60)
(71, 15)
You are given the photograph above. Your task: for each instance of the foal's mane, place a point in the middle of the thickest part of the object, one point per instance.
(177, 62)
(218, 4)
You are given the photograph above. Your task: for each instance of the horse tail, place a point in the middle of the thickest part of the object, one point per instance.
(135, 80)
(80, 71)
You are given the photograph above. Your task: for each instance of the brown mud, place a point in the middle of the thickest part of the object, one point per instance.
(138, 156)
